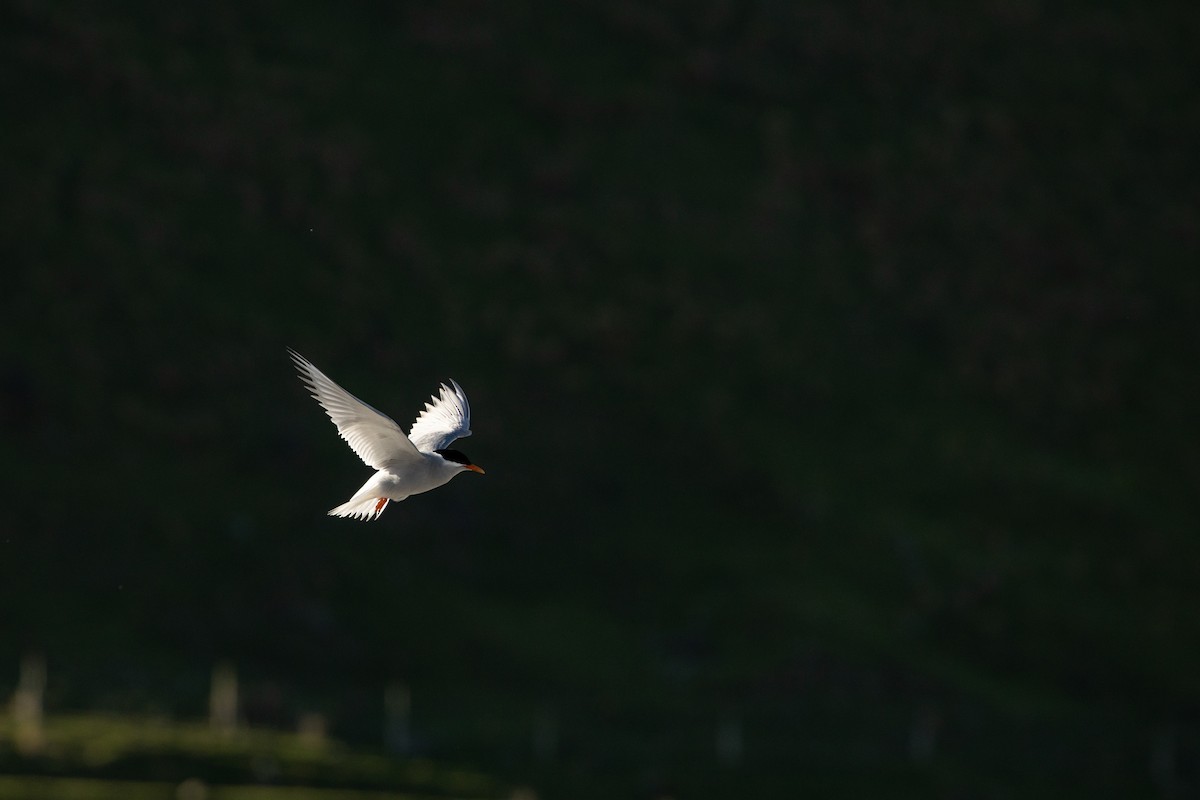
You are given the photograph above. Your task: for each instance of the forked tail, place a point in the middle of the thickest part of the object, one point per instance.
(365, 508)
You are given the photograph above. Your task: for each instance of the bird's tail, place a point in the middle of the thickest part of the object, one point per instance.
(364, 507)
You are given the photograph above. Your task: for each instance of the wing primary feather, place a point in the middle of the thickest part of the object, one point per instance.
(374, 436)
(446, 418)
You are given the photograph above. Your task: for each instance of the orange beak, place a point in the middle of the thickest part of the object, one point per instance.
(474, 468)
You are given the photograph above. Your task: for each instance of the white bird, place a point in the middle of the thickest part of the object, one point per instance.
(405, 465)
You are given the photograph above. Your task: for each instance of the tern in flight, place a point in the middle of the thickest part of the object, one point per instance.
(404, 465)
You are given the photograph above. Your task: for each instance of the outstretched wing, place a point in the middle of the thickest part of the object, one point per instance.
(447, 418)
(375, 437)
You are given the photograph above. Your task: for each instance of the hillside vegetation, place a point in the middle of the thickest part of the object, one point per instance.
(833, 368)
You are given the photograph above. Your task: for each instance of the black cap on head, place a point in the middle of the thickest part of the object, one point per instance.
(457, 456)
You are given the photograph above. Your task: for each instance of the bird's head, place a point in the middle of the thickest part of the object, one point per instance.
(460, 458)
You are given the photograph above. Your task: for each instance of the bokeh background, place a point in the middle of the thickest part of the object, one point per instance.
(834, 367)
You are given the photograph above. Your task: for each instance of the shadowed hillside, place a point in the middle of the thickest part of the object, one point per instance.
(833, 368)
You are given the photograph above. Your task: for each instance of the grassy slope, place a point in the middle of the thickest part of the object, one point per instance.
(934, 270)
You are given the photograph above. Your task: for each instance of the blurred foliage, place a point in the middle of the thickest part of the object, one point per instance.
(112, 749)
(833, 365)
(39, 788)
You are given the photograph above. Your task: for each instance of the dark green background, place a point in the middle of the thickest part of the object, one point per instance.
(834, 366)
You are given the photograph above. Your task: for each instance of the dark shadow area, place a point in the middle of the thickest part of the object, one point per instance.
(834, 368)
